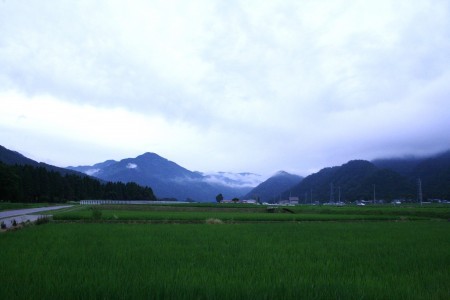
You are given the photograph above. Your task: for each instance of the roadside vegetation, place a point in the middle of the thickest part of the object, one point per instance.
(10, 206)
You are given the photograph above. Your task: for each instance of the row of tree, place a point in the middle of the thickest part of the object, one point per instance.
(25, 183)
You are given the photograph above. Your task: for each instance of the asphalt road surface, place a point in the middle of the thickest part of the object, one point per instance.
(23, 215)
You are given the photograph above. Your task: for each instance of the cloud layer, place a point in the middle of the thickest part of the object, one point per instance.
(234, 86)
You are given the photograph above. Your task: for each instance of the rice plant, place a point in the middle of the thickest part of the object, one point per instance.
(312, 260)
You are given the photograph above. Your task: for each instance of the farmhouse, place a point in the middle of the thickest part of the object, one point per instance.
(291, 201)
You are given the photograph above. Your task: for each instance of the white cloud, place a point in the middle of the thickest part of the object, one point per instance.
(91, 172)
(233, 179)
(84, 126)
(132, 166)
(248, 86)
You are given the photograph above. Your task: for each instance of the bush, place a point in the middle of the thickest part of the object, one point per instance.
(42, 220)
(214, 221)
(96, 213)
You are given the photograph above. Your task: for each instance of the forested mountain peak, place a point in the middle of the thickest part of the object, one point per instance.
(168, 179)
(274, 186)
(25, 180)
(11, 157)
(351, 181)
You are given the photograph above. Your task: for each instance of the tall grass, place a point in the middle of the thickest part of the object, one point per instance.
(195, 217)
(191, 214)
(376, 260)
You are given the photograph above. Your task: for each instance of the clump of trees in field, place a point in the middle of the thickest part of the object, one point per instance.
(25, 183)
(219, 198)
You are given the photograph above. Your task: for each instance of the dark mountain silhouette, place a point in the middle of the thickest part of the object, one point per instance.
(167, 179)
(355, 180)
(272, 188)
(10, 157)
(25, 180)
(352, 181)
(403, 166)
(433, 171)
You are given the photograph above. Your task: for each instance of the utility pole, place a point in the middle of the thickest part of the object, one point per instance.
(339, 195)
(374, 199)
(419, 191)
(331, 193)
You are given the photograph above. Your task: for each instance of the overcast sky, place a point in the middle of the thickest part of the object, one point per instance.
(255, 86)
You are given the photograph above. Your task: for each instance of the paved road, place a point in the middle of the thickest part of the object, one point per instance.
(23, 215)
(19, 212)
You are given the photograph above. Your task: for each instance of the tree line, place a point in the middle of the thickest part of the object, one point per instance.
(25, 183)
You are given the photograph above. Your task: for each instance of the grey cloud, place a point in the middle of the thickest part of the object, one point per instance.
(279, 79)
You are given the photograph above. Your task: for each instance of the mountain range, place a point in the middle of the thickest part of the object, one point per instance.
(25, 180)
(395, 178)
(385, 179)
(170, 180)
(271, 189)
(10, 157)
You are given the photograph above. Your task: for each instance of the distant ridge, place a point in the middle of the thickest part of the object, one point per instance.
(91, 170)
(273, 187)
(385, 179)
(25, 180)
(355, 180)
(168, 179)
(10, 157)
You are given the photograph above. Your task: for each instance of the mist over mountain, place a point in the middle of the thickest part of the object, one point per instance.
(433, 171)
(238, 180)
(25, 180)
(434, 174)
(352, 181)
(386, 179)
(272, 188)
(91, 170)
(403, 165)
(170, 180)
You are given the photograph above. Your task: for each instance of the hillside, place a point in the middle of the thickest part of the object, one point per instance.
(385, 179)
(433, 171)
(10, 157)
(25, 180)
(168, 179)
(270, 189)
(352, 181)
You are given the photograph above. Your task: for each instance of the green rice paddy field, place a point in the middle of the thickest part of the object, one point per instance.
(100, 259)
(236, 213)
